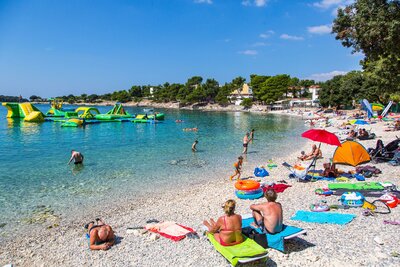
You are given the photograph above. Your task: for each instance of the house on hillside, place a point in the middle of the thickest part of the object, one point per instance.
(314, 90)
(239, 94)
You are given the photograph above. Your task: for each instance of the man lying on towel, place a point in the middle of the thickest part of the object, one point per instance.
(227, 229)
(268, 216)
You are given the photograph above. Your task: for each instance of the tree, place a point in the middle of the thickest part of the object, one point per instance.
(135, 91)
(34, 98)
(247, 103)
(256, 82)
(373, 28)
(274, 88)
(330, 94)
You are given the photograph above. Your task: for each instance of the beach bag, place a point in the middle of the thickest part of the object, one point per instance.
(260, 239)
(352, 199)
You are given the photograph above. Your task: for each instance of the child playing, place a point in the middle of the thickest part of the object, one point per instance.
(238, 168)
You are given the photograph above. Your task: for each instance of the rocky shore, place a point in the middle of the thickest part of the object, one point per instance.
(366, 241)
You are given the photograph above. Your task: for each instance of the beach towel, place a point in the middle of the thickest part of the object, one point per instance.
(170, 230)
(356, 186)
(276, 241)
(246, 251)
(323, 217)
(279, 188)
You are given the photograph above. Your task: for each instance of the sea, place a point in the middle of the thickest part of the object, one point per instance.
(129, 159)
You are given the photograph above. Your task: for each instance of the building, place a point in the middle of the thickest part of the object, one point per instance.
(314, 90)
(239, 94)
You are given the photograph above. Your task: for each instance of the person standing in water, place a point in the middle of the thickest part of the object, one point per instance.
(194, 149)
(245, 143)
(76, 156)
(251, 136)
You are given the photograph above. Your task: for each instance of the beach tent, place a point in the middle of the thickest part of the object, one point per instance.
(367, 106)
(351, 153)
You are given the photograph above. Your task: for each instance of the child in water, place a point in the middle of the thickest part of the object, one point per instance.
(238, 168)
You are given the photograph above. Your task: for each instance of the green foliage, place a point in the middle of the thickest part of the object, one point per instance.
(373, 28)
(256, 82)
(121, 96)
(274, 88)
(247, 103)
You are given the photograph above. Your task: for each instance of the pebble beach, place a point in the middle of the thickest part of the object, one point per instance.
(366, 241)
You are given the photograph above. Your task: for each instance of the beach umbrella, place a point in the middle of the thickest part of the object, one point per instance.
(351, 153)
(322, 136)
(359, 122)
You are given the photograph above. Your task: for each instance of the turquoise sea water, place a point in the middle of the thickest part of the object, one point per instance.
(127, 158)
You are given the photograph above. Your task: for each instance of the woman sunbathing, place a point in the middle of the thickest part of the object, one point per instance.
(227, 229)
(315, 152)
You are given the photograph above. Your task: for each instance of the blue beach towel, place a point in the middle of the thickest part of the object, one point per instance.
(323, 217)
(275, 241)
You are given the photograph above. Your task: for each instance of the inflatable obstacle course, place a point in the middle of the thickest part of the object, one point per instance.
(27, 111)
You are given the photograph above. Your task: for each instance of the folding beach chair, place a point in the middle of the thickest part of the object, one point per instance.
(301, 174)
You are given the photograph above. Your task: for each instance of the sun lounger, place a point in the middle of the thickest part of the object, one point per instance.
(244, 252)
(276, 241)
(301, 174)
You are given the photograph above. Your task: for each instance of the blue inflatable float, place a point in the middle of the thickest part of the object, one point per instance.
(249, 196)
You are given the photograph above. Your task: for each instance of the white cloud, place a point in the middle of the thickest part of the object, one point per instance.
(259, 44)
(291, 37)
(325, 4)
(203, 2)
(322, 29)
(249, 52)
(321, 77)
(257, 3)
(267, 34)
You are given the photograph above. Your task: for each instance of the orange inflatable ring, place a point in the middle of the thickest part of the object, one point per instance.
(247, 185)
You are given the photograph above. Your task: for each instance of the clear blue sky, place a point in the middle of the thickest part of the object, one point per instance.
(57, 47)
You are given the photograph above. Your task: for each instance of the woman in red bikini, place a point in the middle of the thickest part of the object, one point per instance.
(227, 229)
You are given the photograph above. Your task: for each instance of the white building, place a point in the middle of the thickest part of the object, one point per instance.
(242, 93)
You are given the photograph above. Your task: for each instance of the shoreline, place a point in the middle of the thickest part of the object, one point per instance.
(65, 245)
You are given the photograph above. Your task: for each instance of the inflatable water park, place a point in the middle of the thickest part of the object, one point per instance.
(77, 117)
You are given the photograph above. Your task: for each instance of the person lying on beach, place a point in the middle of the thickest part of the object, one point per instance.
(76, 156)
(101, 235)
(227, 229)
(268, 216)
(315, 152)
(194, 149)
(352, 134)
(238, 168)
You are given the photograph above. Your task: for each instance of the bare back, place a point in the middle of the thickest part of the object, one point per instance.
(273, 216)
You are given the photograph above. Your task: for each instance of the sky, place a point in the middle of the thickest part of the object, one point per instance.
(54, 47)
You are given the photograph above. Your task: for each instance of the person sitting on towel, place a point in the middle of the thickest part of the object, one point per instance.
(227, 229)
(315, 152)
(268, 216)
(101, 235)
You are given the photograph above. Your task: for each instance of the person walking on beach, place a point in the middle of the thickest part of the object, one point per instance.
(268, 216)
(251, 136)
(101, 235)
(194, 149)
(238, 168)
(76, 156)
(245, 143)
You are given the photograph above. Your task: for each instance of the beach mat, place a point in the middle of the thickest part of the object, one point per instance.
(323, 217)
(170, 230)
(277, 241)
(356, 186)
(246, 251)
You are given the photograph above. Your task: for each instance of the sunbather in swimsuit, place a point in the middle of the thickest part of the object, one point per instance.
(224, 235)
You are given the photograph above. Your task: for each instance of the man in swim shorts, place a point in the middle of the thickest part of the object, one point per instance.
(245, 143)
(101, 235)
(268, 215)
(76, 156)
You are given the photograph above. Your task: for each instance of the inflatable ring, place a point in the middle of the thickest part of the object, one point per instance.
(249, 192)
(253, 196)
(247, 185)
